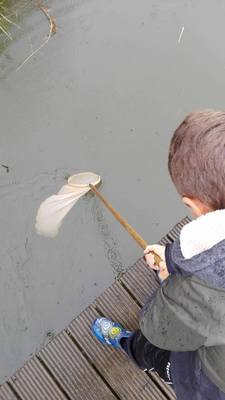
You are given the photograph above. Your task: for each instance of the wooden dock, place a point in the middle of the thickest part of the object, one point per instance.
(73, 366)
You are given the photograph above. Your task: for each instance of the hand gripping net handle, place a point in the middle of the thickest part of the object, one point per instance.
(142, 243)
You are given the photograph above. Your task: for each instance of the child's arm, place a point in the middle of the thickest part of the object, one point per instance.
(169, 321)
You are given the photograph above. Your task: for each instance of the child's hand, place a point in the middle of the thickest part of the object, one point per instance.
(150, 259)
(159, 250)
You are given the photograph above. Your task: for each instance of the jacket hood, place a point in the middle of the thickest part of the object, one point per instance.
(200, 249)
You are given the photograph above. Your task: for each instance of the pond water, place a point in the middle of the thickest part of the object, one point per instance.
(104, 95)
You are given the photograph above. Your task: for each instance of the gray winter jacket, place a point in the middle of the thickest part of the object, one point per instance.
(187, 314)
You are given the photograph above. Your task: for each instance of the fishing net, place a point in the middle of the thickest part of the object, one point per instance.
(52, 211)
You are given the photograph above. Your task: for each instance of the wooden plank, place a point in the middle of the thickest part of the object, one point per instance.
(6, 393)
(116, 303)
(175, 231)
(141, 281)
(123, 309)
(33, 382)
(70, 368)
(166, 239)
(128, 382)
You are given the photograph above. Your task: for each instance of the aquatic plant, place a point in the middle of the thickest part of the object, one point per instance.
(12, 16)
(6, 17)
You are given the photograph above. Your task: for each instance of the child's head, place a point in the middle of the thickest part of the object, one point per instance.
(197, 161)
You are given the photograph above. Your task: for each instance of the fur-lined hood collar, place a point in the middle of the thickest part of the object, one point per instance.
(200, 249)
(203, 233)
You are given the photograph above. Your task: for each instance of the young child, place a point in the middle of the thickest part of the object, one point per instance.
(182, 329)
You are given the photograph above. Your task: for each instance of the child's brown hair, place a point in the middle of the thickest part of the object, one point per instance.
(197, 157)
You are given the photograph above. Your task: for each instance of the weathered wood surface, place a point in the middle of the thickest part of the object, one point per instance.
(74, 366)
(6, 393)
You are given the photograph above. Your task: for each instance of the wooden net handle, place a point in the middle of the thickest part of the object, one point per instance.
(142, 243)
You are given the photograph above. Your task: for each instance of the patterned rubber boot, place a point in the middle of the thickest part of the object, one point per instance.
(109, 332)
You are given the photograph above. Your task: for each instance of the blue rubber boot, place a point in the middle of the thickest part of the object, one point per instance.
(109, 332)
